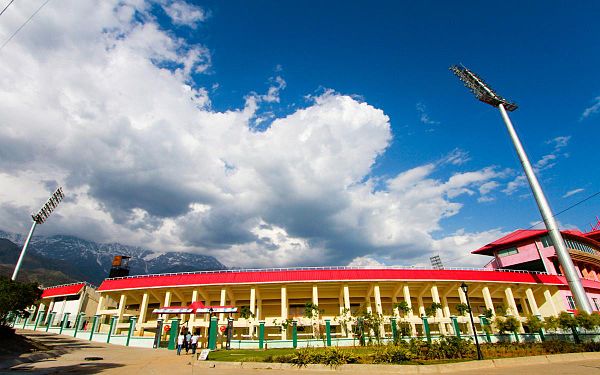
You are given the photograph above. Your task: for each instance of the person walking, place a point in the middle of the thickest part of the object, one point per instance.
(188, 342)
(180, 341)
(195, 338)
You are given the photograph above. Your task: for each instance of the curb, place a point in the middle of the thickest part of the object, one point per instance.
(409, 369)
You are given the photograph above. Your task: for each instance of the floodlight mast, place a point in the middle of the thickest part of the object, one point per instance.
(39, 218)
(485, 94)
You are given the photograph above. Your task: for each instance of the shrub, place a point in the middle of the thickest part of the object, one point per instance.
(332, 357)
(506, 324)
(15, 298)
(559, 346)
(335, 357)
(585, 321)
(551, 323)
(566, 321)
(462, 309)
(451, 348)
(392, 354)
(534, 323)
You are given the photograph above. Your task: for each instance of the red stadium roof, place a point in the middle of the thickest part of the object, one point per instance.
(522, 235)
(62, 290)
(321, 274)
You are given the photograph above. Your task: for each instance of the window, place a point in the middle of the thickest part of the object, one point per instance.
(507, 252)
(571, 302)
(546, 241)
(595, 300)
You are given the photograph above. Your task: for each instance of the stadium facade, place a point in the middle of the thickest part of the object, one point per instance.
(523, 278)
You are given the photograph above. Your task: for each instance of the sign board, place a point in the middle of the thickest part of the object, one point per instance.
(203, 356)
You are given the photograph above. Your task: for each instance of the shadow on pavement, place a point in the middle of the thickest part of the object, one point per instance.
(81, 368)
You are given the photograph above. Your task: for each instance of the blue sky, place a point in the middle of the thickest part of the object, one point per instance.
(297, 133)
(395, 56)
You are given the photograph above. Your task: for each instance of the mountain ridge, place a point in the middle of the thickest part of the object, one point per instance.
(91, 261)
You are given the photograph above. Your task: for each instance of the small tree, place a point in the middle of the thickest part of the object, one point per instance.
(534, 323)
(344, 318)
(311, 311)
(506, 324)
(586, 321)
(488, 313)
(245, 312)
(15, 298)
(403, 308)
(462, 309)
(551, 324)
(432, 310)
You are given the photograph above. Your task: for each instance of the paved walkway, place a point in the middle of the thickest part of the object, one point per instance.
(124, 360)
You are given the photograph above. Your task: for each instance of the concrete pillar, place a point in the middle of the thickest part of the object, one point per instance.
(532, 302)
(347, 307)
(121, 309)
(315, 297)
(463, 300)
(252, 319)
(435, 296)
(284, 311)
(487, 298)
(143, 313)
(550, 302)
(446, 312)
(167, 303)
(192, 318)
(223, 302)
(421, 306)
(510, 301)
(379, 308)
(407, 299)
(98, 309)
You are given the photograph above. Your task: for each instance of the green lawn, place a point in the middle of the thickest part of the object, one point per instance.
(246, 355)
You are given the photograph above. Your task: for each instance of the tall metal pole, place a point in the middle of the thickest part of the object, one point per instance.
(581, 299)
(18, 266)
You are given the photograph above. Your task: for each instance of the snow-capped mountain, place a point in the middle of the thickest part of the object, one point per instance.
(91, 261)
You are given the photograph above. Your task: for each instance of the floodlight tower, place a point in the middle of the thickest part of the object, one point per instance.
(39, 218)
(484, 93)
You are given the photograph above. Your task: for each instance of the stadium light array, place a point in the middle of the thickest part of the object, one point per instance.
(486, 94)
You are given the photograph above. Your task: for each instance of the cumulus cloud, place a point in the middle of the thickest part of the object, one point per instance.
(184, 14)
(97, 97)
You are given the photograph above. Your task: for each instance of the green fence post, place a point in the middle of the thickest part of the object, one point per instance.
(37, 320)
(328, 331)
(485, 323)
(294, 334)
(131, 329)
(113, 323)
(94, 325)
(394, 329)
(50, 320)
(64, 322)
(78, 323)
(173, 333)
(426, 328)
(455, 325)
(261, 334)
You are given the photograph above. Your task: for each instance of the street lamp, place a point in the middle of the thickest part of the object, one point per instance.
(465, 289)
(486, 94)
(39, 218)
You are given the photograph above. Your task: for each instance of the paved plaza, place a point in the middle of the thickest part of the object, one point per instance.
(72, 356)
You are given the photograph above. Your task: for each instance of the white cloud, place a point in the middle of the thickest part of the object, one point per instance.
(547, 161)
(365, 261)
(102, 103)
(182, 13)
(591, 110)
(572, 192)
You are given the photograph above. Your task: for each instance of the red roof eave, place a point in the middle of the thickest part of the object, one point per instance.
(62, 290)
(269, 276)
